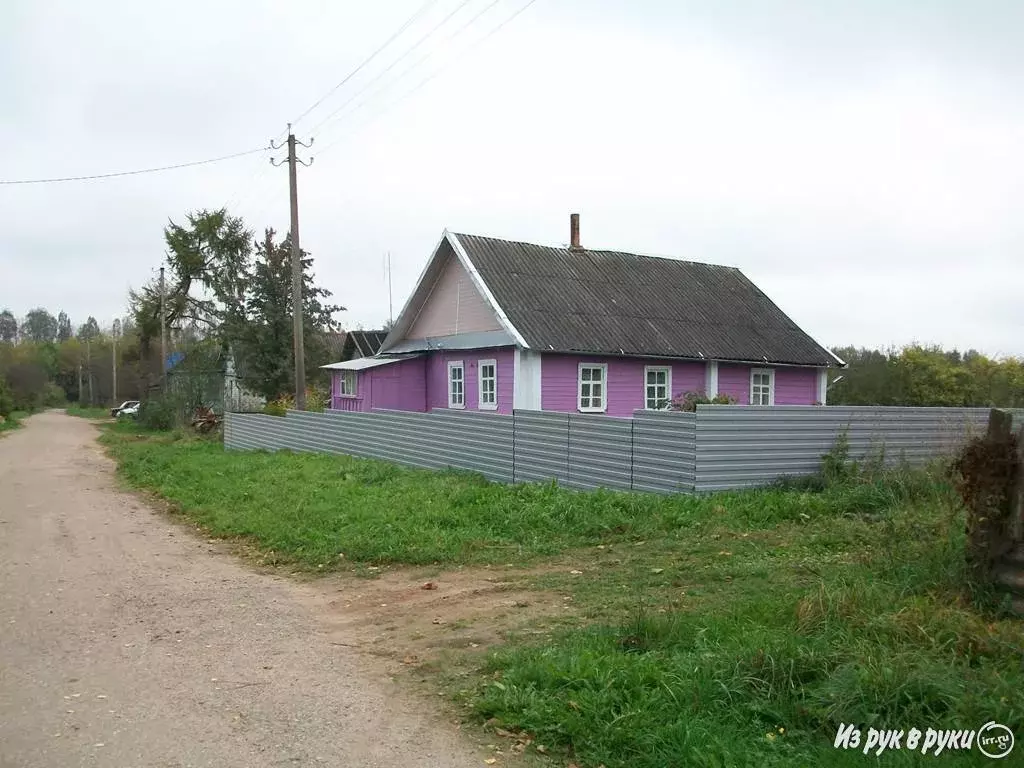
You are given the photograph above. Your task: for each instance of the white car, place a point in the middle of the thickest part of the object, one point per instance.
(127, 408)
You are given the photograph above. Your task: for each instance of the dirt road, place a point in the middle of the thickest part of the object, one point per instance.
(125, 642)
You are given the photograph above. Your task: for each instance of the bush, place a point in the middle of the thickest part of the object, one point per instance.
(6, 398)
(158, 413)
(53, 396)
(688, 401)
(279, 406)
(316, 400)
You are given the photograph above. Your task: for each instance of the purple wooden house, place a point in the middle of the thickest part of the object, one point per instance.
(494, 325)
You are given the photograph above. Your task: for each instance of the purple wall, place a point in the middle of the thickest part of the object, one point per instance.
(796, 386)
(734, 380)
(793, 386)
(399, 386)
(559, 381)
(437, 376)
(421, 384)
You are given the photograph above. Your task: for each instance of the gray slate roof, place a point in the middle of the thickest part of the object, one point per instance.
(621, 303)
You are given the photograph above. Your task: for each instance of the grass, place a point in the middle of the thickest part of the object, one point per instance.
(13, 421)
(756, 657)
(726, 630)
(308, 508)
(86, 412)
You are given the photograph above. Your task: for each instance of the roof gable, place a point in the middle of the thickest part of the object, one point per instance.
(453, 304)
(621, 303)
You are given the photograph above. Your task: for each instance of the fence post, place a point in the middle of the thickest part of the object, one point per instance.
(1017, 499)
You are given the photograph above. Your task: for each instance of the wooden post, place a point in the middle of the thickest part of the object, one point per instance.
(1017, 501)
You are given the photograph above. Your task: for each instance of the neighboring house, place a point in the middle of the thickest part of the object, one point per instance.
(494, 325)
(362, 344)
(215, 382)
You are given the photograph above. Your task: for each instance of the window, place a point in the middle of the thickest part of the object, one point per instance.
(762, 386)
(488, 370)
(347, 384)
(657, 388)
(456, 385)
(592, 382)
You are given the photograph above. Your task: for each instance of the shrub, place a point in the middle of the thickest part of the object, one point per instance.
(279, 406)
(53, 396)
(6, 398)
(158, 413)
(316, 400)
(688, 401)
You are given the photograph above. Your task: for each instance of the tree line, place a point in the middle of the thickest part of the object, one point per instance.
(926, 376)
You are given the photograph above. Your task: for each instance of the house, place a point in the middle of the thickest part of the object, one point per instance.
(209, 378)
(495, 325)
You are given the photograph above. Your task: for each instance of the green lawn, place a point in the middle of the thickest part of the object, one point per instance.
(725, 630)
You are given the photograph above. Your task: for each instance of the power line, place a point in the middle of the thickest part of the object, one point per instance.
(408, 94)
(335, 115)
(391, 66)
(367, 60)
(137, 172)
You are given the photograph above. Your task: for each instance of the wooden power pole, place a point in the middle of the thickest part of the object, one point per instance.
(293, 189)
(113, 357)
(163, 334)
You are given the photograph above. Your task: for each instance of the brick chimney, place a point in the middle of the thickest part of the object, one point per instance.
(574, 232)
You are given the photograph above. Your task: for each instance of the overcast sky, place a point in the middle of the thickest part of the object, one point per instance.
(862, 162)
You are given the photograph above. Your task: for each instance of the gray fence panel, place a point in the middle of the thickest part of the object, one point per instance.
(739, 447)
(245, 431)
(470, 441)
(664, 451)
(600, 452)
(541, 446)
(478, 442)
(718, 448)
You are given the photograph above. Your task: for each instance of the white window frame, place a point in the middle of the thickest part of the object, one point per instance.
(452, 365)
(480, 385)
(342, 389)
(770, 373)
(603, 408)
(667, 370)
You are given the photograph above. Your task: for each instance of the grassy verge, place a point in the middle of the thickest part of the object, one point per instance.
(727, 630)
(308, 508)
(13, 421)
(85, 412)
(751, 648)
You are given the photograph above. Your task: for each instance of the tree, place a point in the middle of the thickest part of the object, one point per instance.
(64, 331)
(265, 342)
(39, 326)
(89, 330)
(8, 327)
(211, 251)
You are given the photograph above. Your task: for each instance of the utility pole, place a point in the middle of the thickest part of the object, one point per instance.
(163, 334)
(88, 363)
(113, 356)
(293, 188)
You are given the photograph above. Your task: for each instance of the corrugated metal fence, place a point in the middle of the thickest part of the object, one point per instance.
(717, 448)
